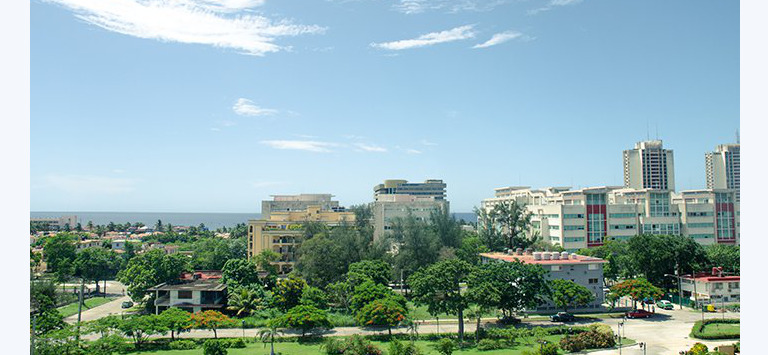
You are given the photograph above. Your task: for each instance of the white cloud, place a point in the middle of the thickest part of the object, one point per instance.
(420, 6)
(219, 23)
(412, 151)
(370, 148)
(428, 143)
(553, 4)
(309, 146)
(89, 184)
(216, 129)
(499, 38)
(245, 107)
(454, 34)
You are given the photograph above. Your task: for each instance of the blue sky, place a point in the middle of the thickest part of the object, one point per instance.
(213, 105)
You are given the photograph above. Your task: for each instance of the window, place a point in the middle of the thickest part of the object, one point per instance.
(554, 227)
(717, 286)
(701, 225)
(593, 266)
(573, 228)
(622, 215)
(622, 226)
(702, 236)
(555, 267)
(573, 216)
(592, 281)
(185, 295)
(573, 239)
(700, 214)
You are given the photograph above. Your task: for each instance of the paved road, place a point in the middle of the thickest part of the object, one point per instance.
(114, 288)
(665, 334)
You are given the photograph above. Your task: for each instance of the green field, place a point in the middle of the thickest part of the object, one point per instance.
(720, 328)
(314, 349)
(71, 309)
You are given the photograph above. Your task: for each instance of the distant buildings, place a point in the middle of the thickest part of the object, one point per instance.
(649, 166)
(283, 230)
(55, 223)
(584, 270)
(398, 198)
(712, 288)
(724, 168)
(288, 203)
(194, 292)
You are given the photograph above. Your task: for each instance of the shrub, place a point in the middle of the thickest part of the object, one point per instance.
(548, 349)
(592, 339)
(237, 343)
(698, 349)
(182, 345)
(698, 329)
(354, 345)
(488, 344)
(397, 347)
(108, 345)
(214, 347)
(445, 346)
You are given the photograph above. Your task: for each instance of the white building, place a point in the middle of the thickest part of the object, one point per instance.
(398, 198)
(649, 166)
(288, 203)
(712, 288)
(587, 217)
(724, 168)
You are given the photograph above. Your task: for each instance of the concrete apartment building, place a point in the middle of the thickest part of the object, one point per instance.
(583, 270)
(587, 217)
(283, 231)
(723, 168)
(287, 203)
(56, 223)
(397, 198)
(194, 292)
(649, 166)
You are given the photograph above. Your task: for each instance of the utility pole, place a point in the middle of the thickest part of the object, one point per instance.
(34, 329)
(80, 308)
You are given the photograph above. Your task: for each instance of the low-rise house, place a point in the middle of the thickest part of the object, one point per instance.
(712, 287)
(195, 292)
(586, 271)
(119, 244)
(88, 243)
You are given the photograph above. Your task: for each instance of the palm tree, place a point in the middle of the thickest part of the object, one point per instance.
(268, 334)
(245, 301)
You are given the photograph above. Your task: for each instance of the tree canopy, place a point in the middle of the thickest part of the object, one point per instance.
(568, 294)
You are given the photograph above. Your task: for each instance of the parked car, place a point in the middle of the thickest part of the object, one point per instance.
(639, 313)
(127, 304)
(509, 320)
(664, 304)
(563, 317)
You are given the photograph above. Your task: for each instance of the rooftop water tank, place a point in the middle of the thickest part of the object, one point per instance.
(537, 255)
(546, 255)
(564, 255)
(555, 256)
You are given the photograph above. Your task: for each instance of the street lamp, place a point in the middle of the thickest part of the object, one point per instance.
(643, 346)
(680, 287)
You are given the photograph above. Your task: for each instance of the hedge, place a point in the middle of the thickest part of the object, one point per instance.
(698, 329)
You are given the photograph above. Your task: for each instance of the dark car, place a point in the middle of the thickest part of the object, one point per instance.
(127, 304)
(639, 313)
(563, 317)
(509, 320)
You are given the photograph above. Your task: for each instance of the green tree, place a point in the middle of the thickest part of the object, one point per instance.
(438, 287)
(96, 264)
(288, 292)
(368, 291)
(59, 253)
(305, 318)
(470, 249)
(725, 256)
(139, 328)
(637, 289)
(239, 272)
(176, 320)
(47, 320)
(340, 294)
(566, 293)
(374, 270)
(149, 269)
(313, 296)
(446, 228)
(382, 312)
(246, 300)
(265, 259)
(214, 347)
(318, 261)
(418, 246)
(213, 253)
(212, 320)
(657, 255)
(508, 286)
(488, 232)
(269, 333)
(514, 221)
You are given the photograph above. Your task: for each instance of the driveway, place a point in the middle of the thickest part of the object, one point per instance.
(114, 288)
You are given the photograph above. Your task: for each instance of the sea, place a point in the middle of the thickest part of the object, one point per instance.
(210, 220)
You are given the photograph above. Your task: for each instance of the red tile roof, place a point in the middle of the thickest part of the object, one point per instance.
(528, 259)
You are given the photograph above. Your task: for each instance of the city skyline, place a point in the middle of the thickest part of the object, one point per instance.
(336, 96)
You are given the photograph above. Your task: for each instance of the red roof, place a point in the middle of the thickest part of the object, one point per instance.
(201, 275)
(528, 259)
(710, 278)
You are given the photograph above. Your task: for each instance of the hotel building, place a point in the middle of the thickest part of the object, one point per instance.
(649, 166)
(724, 168)
(398, 198)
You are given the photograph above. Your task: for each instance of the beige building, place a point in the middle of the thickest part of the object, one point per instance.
(398, 198)
(649, 166)
(287, 203)
(283, 231)
(724, 168)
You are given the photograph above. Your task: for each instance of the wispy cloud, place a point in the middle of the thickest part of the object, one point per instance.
(309, 146)
(219, 23)
(89, 184)
(499, 38)
(454, 34)
(453, 6)
(370, 148)
(245, 107)
(428, 143)
(553, 4)
(412, 151)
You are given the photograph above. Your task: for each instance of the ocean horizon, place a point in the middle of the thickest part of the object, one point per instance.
(210, 220)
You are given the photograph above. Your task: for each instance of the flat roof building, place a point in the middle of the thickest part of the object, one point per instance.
(398, 199)
(723, 168)
(287, 203)
(649, 166)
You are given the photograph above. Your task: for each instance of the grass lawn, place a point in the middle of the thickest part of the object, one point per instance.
(719, 328)
(314, 349)
(71, 309)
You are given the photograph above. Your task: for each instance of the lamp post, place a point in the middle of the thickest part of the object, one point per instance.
(619, 328)
(680, 288)
(243, 329)
(643, 346)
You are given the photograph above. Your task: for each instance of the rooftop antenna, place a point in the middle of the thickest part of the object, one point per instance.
(657, 131)
(647, 130)
(738, 137)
